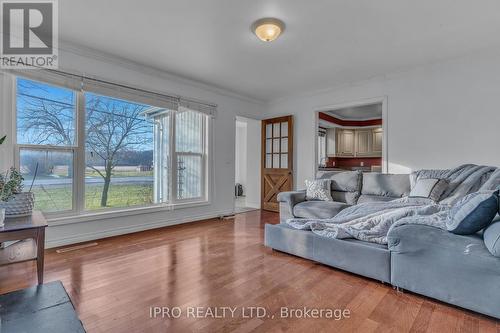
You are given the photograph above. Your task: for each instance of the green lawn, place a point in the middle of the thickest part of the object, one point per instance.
(60, 198)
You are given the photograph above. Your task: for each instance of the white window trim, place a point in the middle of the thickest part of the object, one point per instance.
(175, 157)
(78, 213)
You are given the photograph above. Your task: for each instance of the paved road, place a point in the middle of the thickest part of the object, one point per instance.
(61, 182)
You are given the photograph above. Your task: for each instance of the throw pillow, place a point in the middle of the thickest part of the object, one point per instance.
(491, 238)
(431, 188)
(498, 189)
(318, 189)
(473, 213)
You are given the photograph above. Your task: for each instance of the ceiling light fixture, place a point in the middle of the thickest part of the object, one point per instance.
(268, 29)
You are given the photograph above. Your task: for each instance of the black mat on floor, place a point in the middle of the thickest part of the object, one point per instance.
(45, 308)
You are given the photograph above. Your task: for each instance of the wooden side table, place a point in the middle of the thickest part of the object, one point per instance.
(29, 231)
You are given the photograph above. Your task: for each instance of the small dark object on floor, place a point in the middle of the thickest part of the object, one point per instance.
(238, 190)
(43, 308)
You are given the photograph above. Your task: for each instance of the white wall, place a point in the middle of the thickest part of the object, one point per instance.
(116, 70)
(253, 151)
(241, 154)
(439, 115)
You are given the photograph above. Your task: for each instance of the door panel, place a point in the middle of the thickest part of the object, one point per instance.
(346, 142)
(277, 160)
(378, 135)
(363, 138)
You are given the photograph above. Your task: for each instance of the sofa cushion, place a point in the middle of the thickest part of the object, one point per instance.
(491, 237)
(318, 189)
(374, 198)
(351, 198)
(431, 188)
(345, 185)
(473, 213)
(387, 185)
(318, 209)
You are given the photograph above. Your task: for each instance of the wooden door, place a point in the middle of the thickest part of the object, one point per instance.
(277, 160)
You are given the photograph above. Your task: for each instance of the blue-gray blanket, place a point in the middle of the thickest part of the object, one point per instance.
(372, 221)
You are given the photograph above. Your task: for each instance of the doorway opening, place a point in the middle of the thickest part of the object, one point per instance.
(352, 137)
(247, 165)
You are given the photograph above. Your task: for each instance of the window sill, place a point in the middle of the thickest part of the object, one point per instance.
(103, 215)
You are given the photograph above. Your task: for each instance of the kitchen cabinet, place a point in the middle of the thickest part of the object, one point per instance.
(331, 147)
(377, 137)
(346, 142)
(363, 142)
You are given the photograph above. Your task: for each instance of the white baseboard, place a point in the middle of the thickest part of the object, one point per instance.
(253, 204)
(49, 243)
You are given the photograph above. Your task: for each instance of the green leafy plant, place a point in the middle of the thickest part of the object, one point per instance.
(10, 184)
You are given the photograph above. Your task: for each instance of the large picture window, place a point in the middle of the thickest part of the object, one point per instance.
(92, 151)
(118, 153)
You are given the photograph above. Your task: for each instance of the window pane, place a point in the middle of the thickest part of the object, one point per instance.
(268, 146)
(269, 161)
(276, 161)
(269, 130)
(284, 145)
(189, 171)
(53, 186)
(189, 132)
(284, 129)
(284, 161)
(45, 114)
(276, 130)
(276, 145)
(119, 153)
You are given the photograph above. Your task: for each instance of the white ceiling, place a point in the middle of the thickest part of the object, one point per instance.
(326, 42)
(364, 112)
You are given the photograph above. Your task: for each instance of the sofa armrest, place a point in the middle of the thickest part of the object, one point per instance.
(287, 201)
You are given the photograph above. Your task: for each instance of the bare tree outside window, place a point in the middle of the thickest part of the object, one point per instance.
(115, 129)
(118, 142)
(131, 153)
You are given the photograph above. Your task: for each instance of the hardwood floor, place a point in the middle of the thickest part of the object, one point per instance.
(223, 263)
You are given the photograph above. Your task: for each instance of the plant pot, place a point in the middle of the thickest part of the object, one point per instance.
(20, 204)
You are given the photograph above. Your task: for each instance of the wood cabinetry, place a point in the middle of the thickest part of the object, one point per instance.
(363, 140)
(377, 137)
(346, 142)
(366, 142)
(331, 145)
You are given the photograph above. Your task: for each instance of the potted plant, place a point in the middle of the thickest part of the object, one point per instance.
(13, 201)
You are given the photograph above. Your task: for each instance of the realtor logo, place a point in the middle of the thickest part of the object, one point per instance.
(29, 34)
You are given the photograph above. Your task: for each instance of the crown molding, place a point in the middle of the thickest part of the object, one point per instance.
(110, 58)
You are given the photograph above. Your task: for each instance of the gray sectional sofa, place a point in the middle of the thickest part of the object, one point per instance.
(433, 262)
